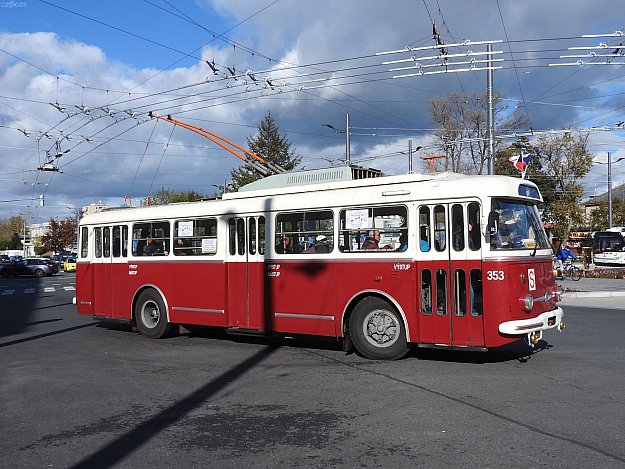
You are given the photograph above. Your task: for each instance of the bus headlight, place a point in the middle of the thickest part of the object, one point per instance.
(527, 303)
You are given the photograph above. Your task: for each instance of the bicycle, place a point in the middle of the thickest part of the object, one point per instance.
(569, 270)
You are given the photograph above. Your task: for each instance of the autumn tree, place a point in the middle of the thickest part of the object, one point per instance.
(462, 130)
(61, 234)
(269, 145)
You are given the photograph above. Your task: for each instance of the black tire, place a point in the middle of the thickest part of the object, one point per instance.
(575, 273)
(39, 273)
(151, 315)
(377, 330)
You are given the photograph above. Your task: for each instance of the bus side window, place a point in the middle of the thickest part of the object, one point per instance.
(124, 241)
(98, 241)
(473, 226)
(261, 235)
(251, 233)
(477, 306)
(241, 236)
(441, 292)
(457, 223)
(426, 292)
(424, 228)
(107, 242)
(460, 293)
(373, 229)
(117, 241)
(232, 237)
(440, 228)
(84, 242)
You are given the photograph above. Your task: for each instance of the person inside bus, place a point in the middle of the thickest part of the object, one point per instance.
(154, 248)
(181, 248)
(150, 248)
(424, 243)
(320, 246)
(474, 237)
(403, 242)
(286, 246)
(458, 238)
(372, 242)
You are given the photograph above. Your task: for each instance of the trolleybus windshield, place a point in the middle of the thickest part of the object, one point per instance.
(515, 224)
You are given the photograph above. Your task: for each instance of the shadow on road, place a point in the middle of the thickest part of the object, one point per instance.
(111, 454)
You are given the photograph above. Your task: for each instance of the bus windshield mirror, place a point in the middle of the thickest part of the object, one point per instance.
(493, 223)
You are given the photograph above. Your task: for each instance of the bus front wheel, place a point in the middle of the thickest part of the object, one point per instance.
(377, 330)
(151, 316)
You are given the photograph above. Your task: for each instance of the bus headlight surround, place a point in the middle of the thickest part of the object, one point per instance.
(527, 303)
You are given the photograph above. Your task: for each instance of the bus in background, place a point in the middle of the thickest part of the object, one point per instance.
(609, 247)
(382, 263)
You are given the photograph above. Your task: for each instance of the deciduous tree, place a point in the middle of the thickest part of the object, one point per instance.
(61, 234)
(462, 133)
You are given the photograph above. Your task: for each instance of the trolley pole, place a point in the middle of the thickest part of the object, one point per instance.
(490, 118)
(347, 157)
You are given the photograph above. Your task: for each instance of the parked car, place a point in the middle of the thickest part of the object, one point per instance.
(4, 259)
(34, 266)
(70, 265)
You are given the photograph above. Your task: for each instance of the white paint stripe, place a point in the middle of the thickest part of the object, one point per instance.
(48, 289)
(68, 288)
(8, 292)
(29, 290)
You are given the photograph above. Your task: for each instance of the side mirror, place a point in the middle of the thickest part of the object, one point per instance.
(493, 223)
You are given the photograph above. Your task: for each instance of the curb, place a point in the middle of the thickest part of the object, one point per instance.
(593, 294)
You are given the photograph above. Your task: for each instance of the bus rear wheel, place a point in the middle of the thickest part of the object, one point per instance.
(151, 316)
(377, 330)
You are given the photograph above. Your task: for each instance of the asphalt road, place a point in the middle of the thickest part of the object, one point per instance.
(79, 393)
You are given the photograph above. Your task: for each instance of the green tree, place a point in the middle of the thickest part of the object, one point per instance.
(15, 242)
(9, 226)
(61, 234)
(565, 161)
(599, 216)
(168, 196)
(269, 145)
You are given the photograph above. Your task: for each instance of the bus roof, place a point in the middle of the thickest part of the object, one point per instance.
(441, 186)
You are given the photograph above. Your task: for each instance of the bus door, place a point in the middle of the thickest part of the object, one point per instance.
(102, 282)
(449, 275)
(465, 273)
(119, 272)
(245, 272)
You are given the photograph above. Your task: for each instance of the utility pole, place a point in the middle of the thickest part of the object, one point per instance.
(609, 190)
(409, 156)
(490, 117)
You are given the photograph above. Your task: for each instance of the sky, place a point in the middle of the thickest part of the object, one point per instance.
(78, 80)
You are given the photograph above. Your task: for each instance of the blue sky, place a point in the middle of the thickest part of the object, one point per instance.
(321, 63)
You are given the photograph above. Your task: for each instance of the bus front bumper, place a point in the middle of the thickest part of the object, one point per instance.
(547, 320)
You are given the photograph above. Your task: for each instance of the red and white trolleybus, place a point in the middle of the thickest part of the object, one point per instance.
(444, 260)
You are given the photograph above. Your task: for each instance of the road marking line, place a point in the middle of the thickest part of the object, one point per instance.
(8, 292)
(29, 290)
(68, 288)
(48, 289)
